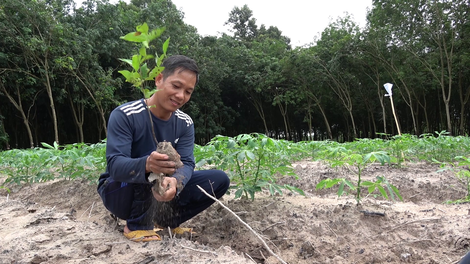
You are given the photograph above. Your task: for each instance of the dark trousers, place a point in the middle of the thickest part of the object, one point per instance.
(135, 202)
(466, 259)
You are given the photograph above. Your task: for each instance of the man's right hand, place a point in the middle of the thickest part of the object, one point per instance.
(169, 194)
(159, 163)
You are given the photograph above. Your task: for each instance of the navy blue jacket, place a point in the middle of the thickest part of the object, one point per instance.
(130, 141)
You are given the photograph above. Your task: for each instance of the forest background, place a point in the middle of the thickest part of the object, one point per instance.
(59, 66)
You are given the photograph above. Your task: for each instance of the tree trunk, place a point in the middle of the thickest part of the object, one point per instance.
(259, 108)
(18, 105)
(310, 129)
(7, 143)
(97, 103)
(309, 120)
(78, 116)
(48, 86)
(325, 119)
(446, 97)
(340, 88)
(284, 113)
(463, 102)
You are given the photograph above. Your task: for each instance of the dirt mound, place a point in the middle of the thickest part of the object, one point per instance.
(65, 222)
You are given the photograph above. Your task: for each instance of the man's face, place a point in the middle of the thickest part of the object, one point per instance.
(174, 91)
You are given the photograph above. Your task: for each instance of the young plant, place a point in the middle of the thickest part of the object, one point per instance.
(462, 171)
(52, 161)
(253, 161)
(77, 160)
(399, 145)
(140, 69)
(26, 166)
(356, 163)
(440, 146)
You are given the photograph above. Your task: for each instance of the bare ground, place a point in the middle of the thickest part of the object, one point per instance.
(65, 222)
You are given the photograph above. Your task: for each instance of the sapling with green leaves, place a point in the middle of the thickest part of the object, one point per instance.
(139, 62)
(139, 77)
(356, 163)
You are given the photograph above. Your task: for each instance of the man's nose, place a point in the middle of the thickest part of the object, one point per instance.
(180, 94)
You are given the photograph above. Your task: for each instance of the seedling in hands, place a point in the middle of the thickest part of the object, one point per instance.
(139, 75)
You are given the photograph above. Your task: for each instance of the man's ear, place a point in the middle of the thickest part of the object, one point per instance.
(158, 79)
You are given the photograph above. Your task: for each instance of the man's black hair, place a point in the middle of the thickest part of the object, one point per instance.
(181, 63)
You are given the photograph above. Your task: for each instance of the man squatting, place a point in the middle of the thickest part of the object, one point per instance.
(131, 157)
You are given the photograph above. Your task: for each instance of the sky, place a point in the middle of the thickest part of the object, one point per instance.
(300, 20)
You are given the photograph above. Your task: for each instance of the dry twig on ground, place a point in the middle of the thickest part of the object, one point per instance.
(245, 224)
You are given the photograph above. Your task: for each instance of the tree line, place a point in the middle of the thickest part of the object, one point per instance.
(59, 68)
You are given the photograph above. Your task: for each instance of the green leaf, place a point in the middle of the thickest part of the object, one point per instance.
(201, 163)
(134, 37)
(321, 184)
(153, 73)
(143, 52)
(147, 57)
(159, 60)
(277, 189)
(231, 144)
(144, 71)
(134, 77)
(264, 141)
(148, 93)
(144, 28)
(349, 183)
(44, 144)
(271, 190)
(367, 158)
(332, 183)
(127, 61)
(241, 156)
(156, 33)
(341, 189)
(145, 43)
(366, 183)
(327, 183)
(238, 193)
(165, 45)
(136, 62)
(379, 180)
(250, 155)
(127, 74)
(298, 190)
(397, 193)
(382, 191)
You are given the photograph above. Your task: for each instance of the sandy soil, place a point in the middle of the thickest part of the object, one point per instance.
(65, 222)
